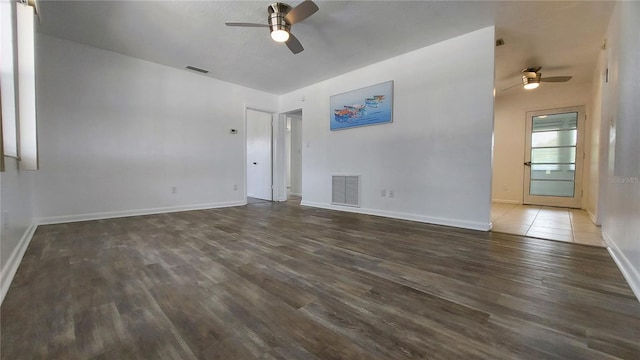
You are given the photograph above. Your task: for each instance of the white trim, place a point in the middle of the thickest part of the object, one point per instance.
(295, 194)
(27, 127)
(626, 267)
(275, 120)
(501, 201)
(592, 216)
(10, 268)
(472, 225)
(139, 212)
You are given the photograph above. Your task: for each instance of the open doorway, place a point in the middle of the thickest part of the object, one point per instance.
(259, 161)
(293, 155)
(537, 182)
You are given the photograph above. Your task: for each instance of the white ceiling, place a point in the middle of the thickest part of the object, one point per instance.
(562, 37)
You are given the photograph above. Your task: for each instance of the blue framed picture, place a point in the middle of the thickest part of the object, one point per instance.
(371, 105)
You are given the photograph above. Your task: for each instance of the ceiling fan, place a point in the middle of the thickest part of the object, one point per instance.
(531, 78)
(281, 17)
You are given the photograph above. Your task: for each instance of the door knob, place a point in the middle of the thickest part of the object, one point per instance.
(528, 163)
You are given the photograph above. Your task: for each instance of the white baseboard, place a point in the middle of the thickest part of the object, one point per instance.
(139, 212)
(501, 201)
(624, 264)
(10, 268)
(405, 216)
(295, 194)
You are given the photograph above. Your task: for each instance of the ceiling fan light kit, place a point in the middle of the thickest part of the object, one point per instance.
(531, 83)
(277, 24)
(281, 17)
(531, 78)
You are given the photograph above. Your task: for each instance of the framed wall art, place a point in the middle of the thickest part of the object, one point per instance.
(371, 105)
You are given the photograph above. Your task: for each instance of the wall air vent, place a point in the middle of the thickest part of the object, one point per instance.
(345, 190)
(197, 69)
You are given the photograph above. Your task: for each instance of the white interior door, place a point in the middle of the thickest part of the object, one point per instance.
(553, 157)
(259, 168)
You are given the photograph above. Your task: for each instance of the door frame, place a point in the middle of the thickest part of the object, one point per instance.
(274, 116)
(576, 200)
(284, 115)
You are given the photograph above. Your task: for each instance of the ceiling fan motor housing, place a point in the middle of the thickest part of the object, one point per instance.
(531, 82)
(277, 12)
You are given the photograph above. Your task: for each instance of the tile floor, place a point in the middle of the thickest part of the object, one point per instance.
(560, 224)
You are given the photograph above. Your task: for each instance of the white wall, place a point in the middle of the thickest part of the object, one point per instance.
(509, 132)
(16, 215)
(117, 133)
(436, 155)
(621, 111)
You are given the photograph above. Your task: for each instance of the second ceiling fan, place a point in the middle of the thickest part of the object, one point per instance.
(531, 78)
(280, 18)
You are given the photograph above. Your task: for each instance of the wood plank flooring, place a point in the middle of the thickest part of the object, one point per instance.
(280, 281)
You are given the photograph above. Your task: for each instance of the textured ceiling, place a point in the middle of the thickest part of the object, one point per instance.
(562, 37)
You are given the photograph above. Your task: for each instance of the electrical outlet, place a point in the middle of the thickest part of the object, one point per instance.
(391, 193)
(235, 187)
(174, 190)
(505, 188)
(383, 193)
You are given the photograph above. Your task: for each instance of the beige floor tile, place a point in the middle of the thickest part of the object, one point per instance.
(545, 235)
(550, 230)
(559, 217)
(581, 219)
(552, 224)
(586, 228)
(497, 206)
(519, 217)
(592, 242)
(570, 225)
(513, 229)
(512, 223)
(523, 210)
(583, 235)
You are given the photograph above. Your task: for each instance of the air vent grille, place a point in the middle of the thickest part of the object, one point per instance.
(197, 69)
(345, 190)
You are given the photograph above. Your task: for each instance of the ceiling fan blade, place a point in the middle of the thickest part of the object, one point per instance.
(294, 44)
(556, 79)
(532, 69)
(511, 87)
(232, 23)
(301, 12)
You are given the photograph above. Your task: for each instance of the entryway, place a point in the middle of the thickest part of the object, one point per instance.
(274, 156)
(559, 224)
(552, 181)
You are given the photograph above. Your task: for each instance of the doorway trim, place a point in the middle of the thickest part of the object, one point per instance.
(274, 116)
(283, 116)
(570, 202)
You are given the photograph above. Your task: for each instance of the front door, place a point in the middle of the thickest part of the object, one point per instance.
(553, 157)
(259, 177)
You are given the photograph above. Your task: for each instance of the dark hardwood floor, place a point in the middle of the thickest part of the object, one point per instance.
(280, 281)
